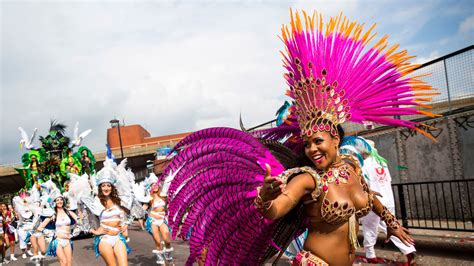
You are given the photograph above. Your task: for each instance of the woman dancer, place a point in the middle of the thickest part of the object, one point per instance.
(109, 241)
(61, 244)
(334, 76)
(156, 226)
(334, 196)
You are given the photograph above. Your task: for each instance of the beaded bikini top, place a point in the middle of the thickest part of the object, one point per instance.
(333, 212)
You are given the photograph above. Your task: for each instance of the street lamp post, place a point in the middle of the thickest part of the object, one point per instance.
(116, 123)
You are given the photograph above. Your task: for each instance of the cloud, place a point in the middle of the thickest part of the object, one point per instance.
(172, 66)
(421, 60)
(466, 28)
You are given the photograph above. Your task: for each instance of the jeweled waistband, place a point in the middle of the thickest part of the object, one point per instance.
(306, 258)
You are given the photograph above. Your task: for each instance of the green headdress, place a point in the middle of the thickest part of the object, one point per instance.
(26, 158)
(78, 154)
(86, 167)
(65, 162)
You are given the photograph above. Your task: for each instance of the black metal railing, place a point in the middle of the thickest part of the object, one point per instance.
(439, 205)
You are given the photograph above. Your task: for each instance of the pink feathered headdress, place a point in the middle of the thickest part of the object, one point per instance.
(335, 76)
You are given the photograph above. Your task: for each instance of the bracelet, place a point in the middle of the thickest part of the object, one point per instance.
(389, 219)
(260, 204)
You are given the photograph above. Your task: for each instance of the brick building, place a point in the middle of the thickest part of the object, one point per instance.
(139, 147)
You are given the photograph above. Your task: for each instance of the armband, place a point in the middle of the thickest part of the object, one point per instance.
(389, 219)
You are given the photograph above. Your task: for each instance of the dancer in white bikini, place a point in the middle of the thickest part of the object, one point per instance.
(156, 225)
(109, 241)
(61, 245)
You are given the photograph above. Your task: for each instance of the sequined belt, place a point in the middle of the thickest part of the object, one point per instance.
(306, 258)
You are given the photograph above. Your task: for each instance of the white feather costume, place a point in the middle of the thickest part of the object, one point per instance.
(140, 192)
(24, 207)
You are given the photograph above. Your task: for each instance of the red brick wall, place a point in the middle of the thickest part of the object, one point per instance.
(131, 135)
(167, 137)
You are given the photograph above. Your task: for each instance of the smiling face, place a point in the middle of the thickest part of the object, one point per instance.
(59, 202)
(106, 189)
(321, 148)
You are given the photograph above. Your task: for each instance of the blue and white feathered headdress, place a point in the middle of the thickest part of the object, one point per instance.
(50, 192)
(150, 181)
(356, 146)
(108, 174)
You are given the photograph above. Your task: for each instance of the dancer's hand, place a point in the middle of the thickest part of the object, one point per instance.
(402, 233)
(272, 186)
(123, 228)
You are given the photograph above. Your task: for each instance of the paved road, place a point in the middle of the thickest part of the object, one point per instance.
(142, 245)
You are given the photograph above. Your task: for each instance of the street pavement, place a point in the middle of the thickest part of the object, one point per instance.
(433, 249)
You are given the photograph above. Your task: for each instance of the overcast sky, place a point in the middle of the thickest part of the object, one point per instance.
(175, 66)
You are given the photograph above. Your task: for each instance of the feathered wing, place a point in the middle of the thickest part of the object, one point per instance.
(22, 206)
(84, 134)
(166, 182)
(76, 131)
(46, 209)
(35, 194)
(288, 135)
(48, 187)
(18, 204)
(25, 139)
(140, 193)
(136, 211)
(140, 197)
(211, 195)
(125, 182)
(77, 138)
(91, 208)
(24, 135)
(79, 186)
(93, 183)
(33, 136)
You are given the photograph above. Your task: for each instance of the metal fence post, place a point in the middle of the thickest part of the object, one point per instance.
(403, 210)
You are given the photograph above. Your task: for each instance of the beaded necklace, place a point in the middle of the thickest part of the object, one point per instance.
(338, 172)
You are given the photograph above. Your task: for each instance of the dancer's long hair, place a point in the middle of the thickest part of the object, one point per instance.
(113, 196)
